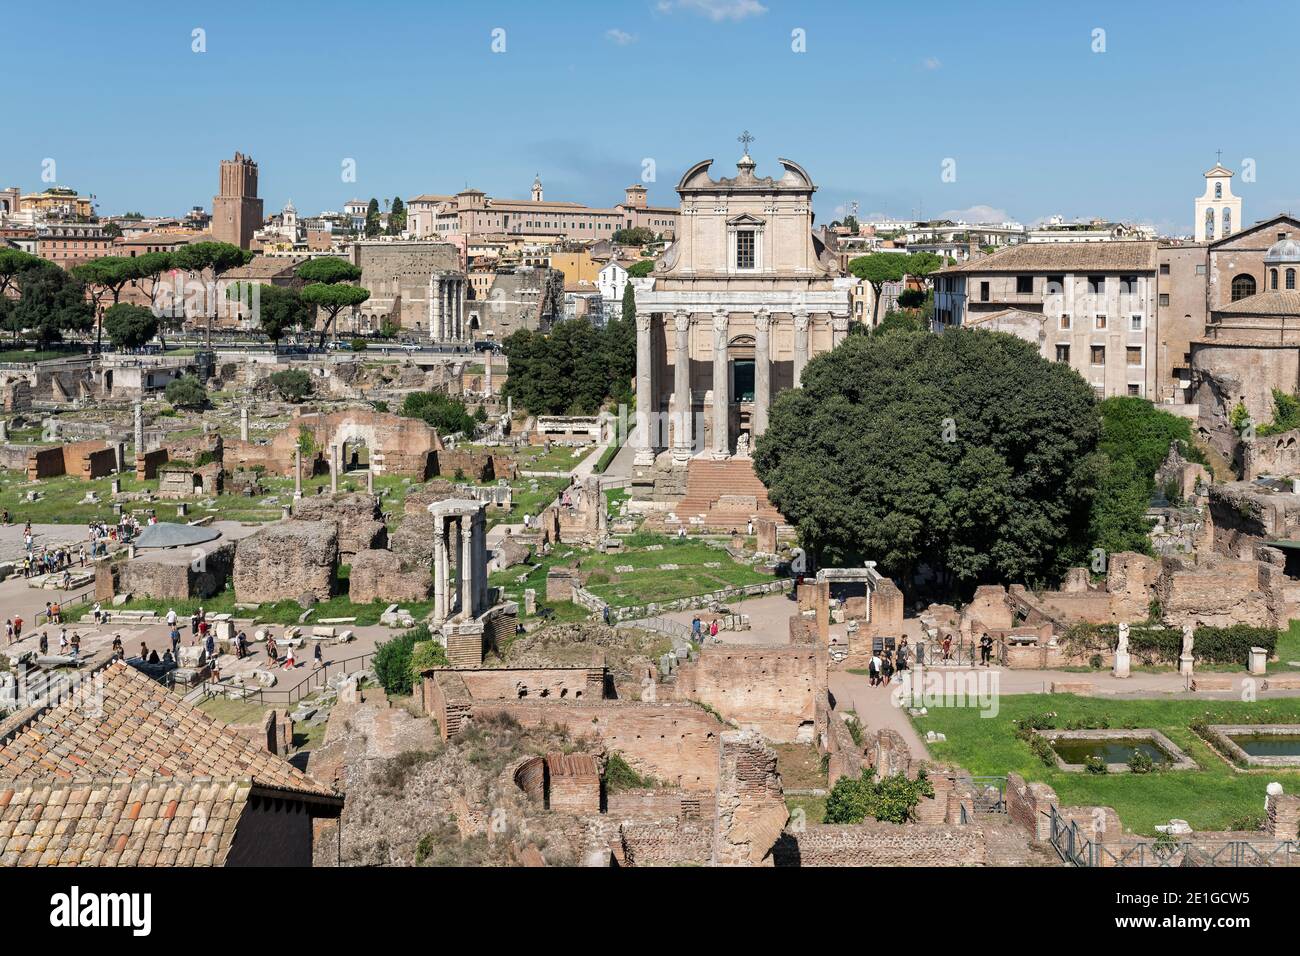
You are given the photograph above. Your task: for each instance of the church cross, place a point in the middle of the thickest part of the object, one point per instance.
(745, 139)
(1219, 156)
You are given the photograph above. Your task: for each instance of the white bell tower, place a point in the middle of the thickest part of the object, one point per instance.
(1218, 211)
(537, 188)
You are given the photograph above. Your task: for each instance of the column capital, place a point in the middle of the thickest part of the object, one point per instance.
(721, 319)
(840, 323)
(801, 319)
(763, 320)
(682, 319)
(643, 320)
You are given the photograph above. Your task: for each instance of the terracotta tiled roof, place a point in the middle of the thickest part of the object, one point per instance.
(1038, 257)
(132, 726)
(1264, 303)
(119, 822)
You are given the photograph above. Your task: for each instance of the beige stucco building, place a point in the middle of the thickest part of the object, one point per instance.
(732, 313)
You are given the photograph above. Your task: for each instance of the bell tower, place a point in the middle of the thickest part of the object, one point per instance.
(1218, 211)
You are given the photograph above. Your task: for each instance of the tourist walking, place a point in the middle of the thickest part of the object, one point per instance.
(947, 647)
(695, 629)
(986, 649)
(317, 658)
(887, 667)
(873, 669)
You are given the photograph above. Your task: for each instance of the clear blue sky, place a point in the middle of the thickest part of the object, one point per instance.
(1036, 121)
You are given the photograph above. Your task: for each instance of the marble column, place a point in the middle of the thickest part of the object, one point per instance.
(139, 429)
(682, 445)
(243, 424)
(336, 457)
(480, 541)
(839, 329)
(467, 585)
(297, 473)
(645, 453)
(487, 374)
(800, 346)
(721, 388)
(762, 370)
(440, 575)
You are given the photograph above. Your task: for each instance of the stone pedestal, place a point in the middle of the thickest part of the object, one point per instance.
(1258, 661)
(1185, 665)
(1122, 664)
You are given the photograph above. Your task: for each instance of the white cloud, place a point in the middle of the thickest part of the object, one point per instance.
(716, 10)
(622, 38)
(931, 63)
(976, 213)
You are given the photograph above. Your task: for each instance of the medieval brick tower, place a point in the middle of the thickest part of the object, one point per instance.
(236, 210)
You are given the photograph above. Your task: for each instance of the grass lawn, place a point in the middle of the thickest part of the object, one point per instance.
(1216, 797)
(814, 808)
(234, 711)
(32, 355)
(646, 582)
(800, 766)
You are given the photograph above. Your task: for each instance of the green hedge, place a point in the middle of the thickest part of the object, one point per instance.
(1214, 645)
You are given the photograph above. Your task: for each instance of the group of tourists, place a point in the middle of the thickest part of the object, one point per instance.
(698, 630)
(890, 662)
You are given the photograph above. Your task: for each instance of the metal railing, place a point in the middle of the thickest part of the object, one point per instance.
(314, 680)
(1075, 847)
(65, 604)
(990, 794)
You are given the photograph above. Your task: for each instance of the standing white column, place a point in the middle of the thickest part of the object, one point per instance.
(243, 423)
(139, 429)
(297, 472)
(480, 546)
(440, 575)
(682, 446)
(645, 454)
(487, 373)
(467, 585)
(762, 370)
(721, 388)
(800, 346)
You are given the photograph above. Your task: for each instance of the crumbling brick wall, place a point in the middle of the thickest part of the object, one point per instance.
(1028, 805)
(677, 744)
(751, 810)
(773, 690)
(882, 844)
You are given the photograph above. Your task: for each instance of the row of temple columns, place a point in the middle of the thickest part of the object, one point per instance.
(459, 539)
(447, 307)
(683, 404)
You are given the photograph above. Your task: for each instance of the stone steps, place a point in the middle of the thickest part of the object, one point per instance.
(709, 483)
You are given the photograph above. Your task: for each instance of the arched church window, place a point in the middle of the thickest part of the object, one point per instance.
(1290, 278)
(1242, 286)
(1209, 224)
(1218, 190)
(1272, 279)
(1227, 221)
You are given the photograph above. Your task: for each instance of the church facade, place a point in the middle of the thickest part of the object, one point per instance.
(730, 316)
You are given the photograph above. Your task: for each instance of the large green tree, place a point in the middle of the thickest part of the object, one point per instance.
(328, 288)
(129, 326)
(12, 263)
(215, 258)
(965, 452)
(52, 302)
(877, 269)
(573, 369)
(446, 414)
(373, 227)
(279, 309)
(397, 217)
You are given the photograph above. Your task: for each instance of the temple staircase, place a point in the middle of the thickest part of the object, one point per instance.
(725, 495)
